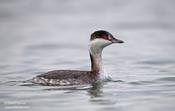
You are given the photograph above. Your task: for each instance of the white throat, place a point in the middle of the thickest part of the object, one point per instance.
(96, 46)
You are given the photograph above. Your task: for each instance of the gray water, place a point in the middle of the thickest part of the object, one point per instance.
(37, 36)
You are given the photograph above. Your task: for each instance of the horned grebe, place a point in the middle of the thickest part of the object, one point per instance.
(99, 40)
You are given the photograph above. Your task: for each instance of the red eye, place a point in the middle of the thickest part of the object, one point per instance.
(109, 38)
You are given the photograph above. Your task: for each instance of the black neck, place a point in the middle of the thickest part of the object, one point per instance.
(95, 63)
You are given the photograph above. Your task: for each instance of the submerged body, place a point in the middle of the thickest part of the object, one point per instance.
(98, 41)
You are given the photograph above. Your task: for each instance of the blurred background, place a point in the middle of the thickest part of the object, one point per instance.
(41, 35)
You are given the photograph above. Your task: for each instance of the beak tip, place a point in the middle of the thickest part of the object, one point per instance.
(121, 41)
(118, 41)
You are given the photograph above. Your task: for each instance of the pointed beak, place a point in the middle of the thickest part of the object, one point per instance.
(114, 40)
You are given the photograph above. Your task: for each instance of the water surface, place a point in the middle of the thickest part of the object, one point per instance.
(43, 35)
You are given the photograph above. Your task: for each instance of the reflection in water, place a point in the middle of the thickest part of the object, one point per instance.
(96, 90)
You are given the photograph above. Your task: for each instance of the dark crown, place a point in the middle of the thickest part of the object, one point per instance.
(100, 34)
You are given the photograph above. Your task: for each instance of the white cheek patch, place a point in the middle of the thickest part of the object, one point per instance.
(96, 46)
(101, 43)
